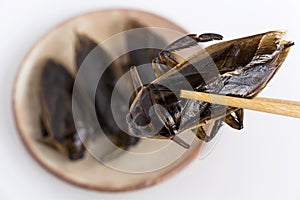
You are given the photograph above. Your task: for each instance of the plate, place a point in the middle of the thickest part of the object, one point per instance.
(145, 164)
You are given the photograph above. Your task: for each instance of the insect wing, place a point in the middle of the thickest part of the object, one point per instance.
(240, 67)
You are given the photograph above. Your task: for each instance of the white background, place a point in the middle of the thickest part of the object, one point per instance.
(260, 162)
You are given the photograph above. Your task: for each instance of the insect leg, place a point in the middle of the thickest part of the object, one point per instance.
(206, 37)
(181, 142)
(167, 56)
(202, 135)
(136, 80)
(235, 119)
(159, 67)
(191, 40)
(54, 144)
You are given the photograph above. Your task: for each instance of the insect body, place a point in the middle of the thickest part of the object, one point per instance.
(240, 67)
(68, 132)
(57, 122)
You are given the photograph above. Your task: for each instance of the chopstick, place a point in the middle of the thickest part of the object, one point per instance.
(268, 105)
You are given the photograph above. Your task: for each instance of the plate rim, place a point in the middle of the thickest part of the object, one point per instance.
(21, 133)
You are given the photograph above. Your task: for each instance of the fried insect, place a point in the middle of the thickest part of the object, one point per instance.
(93, 58)
(56, 96)
(99, 59)
(240, 67)
(57, 123)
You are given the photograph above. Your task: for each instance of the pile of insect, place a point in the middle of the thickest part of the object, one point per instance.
(98, 102)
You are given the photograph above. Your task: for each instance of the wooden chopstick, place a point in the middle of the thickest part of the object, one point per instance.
(268, 105)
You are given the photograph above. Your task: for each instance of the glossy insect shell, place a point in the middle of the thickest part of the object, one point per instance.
(144, 119)
(244, 67)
